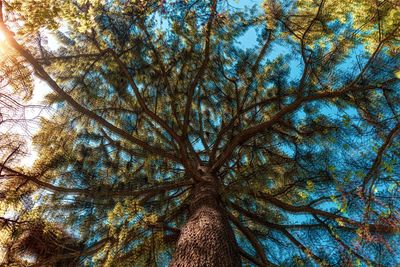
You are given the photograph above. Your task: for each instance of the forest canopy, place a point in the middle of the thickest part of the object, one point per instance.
(202, 133)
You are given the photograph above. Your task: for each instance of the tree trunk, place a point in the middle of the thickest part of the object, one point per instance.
(207, 239)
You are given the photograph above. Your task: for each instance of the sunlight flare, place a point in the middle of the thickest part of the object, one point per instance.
(2, 36)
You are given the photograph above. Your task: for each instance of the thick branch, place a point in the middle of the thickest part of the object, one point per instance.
(41, 73)
(92, 192)
(249, 257)
(281, 229)
(248, 133)
(307, 209)
(253, 240)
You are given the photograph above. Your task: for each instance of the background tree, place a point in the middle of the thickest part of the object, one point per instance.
(171, 142)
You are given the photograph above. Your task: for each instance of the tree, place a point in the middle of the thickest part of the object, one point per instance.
(173, 143)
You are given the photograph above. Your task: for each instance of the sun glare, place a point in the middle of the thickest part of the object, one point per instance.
(2, 37)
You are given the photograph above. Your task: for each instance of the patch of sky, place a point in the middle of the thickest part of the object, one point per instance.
(352, 65)
(244, 3)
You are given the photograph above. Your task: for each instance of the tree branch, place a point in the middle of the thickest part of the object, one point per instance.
(96, 193)
(281, 229)
(248, 133)
(307, 209)
(202, 68)
(378, 159)
(41, 73)
(253, 240)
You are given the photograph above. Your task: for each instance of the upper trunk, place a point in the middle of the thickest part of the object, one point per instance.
(207, 238)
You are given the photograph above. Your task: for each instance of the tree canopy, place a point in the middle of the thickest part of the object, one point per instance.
(197, 133)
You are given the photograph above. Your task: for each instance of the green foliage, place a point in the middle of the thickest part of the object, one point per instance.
(300, 130)
(15, 74)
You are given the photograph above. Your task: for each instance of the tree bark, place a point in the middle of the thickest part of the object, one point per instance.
(207, 239)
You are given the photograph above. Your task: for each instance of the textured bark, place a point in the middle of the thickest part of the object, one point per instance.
(207, 239)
